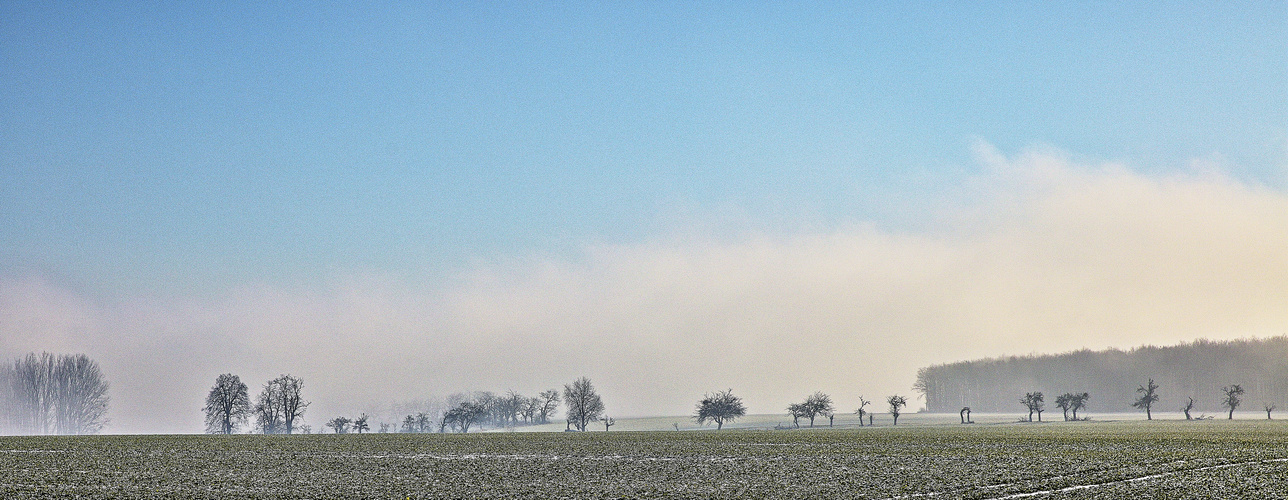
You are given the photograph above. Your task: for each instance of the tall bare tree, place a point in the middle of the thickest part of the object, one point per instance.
(279, 404)
(268, 410)
(48, 394)
(227, 405)
(293, 403)
(584, 404)
(1148, 396)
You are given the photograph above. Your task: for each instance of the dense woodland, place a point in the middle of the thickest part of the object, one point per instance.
(1196, 370)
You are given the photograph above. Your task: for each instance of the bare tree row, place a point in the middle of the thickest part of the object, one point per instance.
(52, 394)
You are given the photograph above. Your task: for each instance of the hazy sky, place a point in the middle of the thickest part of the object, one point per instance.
(671, 198)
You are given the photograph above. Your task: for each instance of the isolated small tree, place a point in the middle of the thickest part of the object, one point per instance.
(227, 404)
(818, 404)
(1186, 409)
(1064, 402)
(1035, 402)
(862, 411)
(339, 424)
(719, 407)
(1079, 402)
(896, 404)
(608, 422)
(797, 412)
(1269, 408)
(360, 424)
(385, 427)
(1149, 395)
(1232, 398)
(584, 404)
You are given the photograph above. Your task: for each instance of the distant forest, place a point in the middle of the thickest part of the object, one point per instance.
(1198, 370)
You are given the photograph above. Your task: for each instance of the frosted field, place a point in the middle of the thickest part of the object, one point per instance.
(1118, 459)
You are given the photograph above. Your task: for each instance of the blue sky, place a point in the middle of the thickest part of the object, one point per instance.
(153, 142)
(177, 153)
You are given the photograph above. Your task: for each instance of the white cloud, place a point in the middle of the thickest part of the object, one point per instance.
(1047, 256)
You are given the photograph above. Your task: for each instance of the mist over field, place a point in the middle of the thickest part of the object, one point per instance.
(397, 204)
(1043, 255)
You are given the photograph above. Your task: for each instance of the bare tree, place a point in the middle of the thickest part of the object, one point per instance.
(1078, 402)
(815, 404)
(465, 415)
(339, 424)
(293, 404)
(1269, 408)
(1035, 402)
(1188, 406)
(820, 404)
(896, 403)
(279, 404)
(719, 407)
(798, 411)
(81, 393)
(1232, 398)
(549, 403)
(227, 405)
(528, 410)
(584, 405)
(608, 422)
(1064, 402)
(1149, 396)
(861, 411)
(360, 424)
(48, 394)
(268, 410)
(1070, 402)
